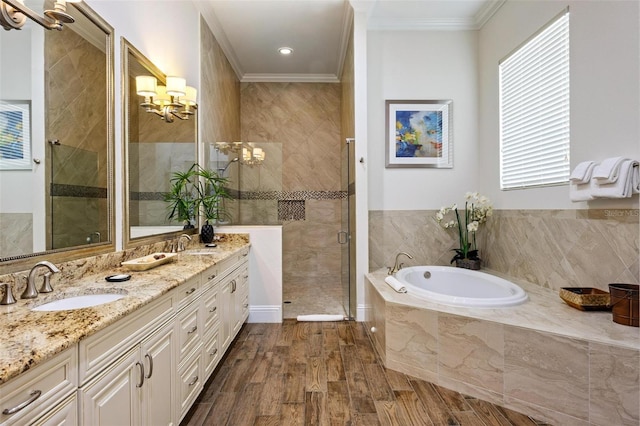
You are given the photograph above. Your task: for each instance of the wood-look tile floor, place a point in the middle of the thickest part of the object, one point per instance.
(327, 373)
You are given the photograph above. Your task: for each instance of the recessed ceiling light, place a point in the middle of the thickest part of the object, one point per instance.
(285, 50)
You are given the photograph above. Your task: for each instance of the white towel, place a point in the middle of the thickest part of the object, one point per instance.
(320, 317)
(582, 172)
(635, 178)
(395, 284)
(580, 191)
(622, 187)
(609, 170)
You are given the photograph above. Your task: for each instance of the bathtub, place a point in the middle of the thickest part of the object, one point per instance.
(460, 287)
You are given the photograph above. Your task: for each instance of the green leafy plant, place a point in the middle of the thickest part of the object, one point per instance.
(211, 194)
(183, 195)
(477, 209)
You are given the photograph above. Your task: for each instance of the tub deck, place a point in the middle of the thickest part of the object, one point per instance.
(543, 358)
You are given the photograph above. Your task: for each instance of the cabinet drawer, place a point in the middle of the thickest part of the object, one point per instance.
(211, 353)
(189, 331)
(54, 380)
(187, 292)
(210, 309)
(63, 414)
(191, 383)
(103, 348)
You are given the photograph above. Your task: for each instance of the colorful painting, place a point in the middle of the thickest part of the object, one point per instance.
(418, 134)
(15, 135)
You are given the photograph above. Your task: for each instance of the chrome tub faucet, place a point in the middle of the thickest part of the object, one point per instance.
(31, 292)
(397, 266)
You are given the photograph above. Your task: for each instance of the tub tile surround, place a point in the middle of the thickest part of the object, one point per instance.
(29, 338)
(550, 248)
(565, 366)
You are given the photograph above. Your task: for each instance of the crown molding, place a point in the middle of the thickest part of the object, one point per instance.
(289, 78)
(474, 23)
(347, 22)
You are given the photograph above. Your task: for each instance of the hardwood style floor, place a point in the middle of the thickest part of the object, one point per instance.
(327, 373)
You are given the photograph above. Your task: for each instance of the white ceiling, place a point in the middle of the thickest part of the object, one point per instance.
(251, 31)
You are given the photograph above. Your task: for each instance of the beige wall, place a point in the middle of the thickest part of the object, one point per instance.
(550, 248)
(304, 119)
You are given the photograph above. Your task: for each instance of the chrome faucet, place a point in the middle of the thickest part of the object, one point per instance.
(31, 292)
(180, 246)
(395, 268)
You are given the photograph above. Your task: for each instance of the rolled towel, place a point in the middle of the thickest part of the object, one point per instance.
(609, 170)
(635, 178)
(622, 187)
(582, 172)
(320, 317)
(580, 191)
(395, 284)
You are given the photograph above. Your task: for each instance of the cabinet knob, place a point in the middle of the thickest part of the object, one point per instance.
(193, 382)
(374, 330)
(210, 277)
(212, 310)
(193, 330)
(191, 290)
(215, 351)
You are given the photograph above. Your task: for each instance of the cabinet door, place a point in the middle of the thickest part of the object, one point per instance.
(158, 389)
(190, 334)
(113, 398)
(227, 313)
(241, 304)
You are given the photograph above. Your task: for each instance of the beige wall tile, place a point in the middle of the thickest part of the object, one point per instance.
(548, 371)
(614, 376)
(471, 351)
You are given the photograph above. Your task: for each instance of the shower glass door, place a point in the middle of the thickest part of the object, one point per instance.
(346, 234)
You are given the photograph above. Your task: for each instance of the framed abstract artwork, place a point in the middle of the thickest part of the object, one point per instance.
(418, 134)
(15, 135)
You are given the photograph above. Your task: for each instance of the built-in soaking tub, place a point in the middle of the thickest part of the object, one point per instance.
(542, 357)
(460, 287)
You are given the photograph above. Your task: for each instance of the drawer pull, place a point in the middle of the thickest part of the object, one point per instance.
(150, 358)
(193, 382)
(245, 254)
(212, 310)
(34, 395)
(215, 351)
(191, 290)
(246, 305)
(233, 286)
(141, 367)
(210, 277)
(193, 330)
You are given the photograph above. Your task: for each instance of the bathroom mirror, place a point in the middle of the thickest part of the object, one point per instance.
(56, 150)
(154, 149)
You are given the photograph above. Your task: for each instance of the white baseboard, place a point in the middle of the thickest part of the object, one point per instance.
(361, 312)
(265, 314)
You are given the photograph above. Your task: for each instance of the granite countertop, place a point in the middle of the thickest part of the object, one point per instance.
(30, 337)
(544, 311)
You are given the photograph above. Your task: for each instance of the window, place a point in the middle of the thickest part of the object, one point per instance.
(534, 109)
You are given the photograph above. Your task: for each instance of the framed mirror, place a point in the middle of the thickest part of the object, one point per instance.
(154, 149)
(56, 144)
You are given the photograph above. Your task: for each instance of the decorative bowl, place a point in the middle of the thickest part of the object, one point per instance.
(586, 298)
(147, 262)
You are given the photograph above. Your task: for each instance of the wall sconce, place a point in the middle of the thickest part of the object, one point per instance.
(253, 156)
(176, 99)
(14, 14)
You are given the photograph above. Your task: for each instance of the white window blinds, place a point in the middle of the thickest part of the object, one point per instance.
(534, 110)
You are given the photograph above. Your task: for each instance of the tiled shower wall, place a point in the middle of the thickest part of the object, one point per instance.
(551, 248)
(304, 120)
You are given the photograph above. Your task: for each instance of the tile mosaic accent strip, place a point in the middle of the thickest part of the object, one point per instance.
(292, 195)
(61, 190)
(147, 196)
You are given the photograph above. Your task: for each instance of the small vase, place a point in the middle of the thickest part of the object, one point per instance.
(206, 233)
(468, 264)
(188, 225)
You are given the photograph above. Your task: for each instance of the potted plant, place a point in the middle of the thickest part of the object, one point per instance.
(477, 209)
(211, 195)
(182, 197)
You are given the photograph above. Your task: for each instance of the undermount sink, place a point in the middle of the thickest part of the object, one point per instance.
(79, 302)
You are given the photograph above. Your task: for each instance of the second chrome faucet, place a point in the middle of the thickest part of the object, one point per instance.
(31, 292)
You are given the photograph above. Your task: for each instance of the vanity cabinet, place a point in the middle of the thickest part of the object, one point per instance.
(127, 370)
(43, 395)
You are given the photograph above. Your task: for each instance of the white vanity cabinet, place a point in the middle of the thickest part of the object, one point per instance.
(134, 384)
(43, 395)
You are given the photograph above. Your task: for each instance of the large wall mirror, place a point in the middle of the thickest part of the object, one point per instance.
(56, 140)
(154, 149)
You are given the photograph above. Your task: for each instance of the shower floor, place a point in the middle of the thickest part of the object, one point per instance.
(307, 299)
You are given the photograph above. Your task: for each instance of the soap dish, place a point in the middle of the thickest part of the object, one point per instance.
(147, 262)
(586, 298)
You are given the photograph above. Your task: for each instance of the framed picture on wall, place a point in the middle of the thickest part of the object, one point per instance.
(418, 134)
(15, 135)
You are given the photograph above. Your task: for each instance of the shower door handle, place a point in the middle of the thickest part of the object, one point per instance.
(343, 237)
